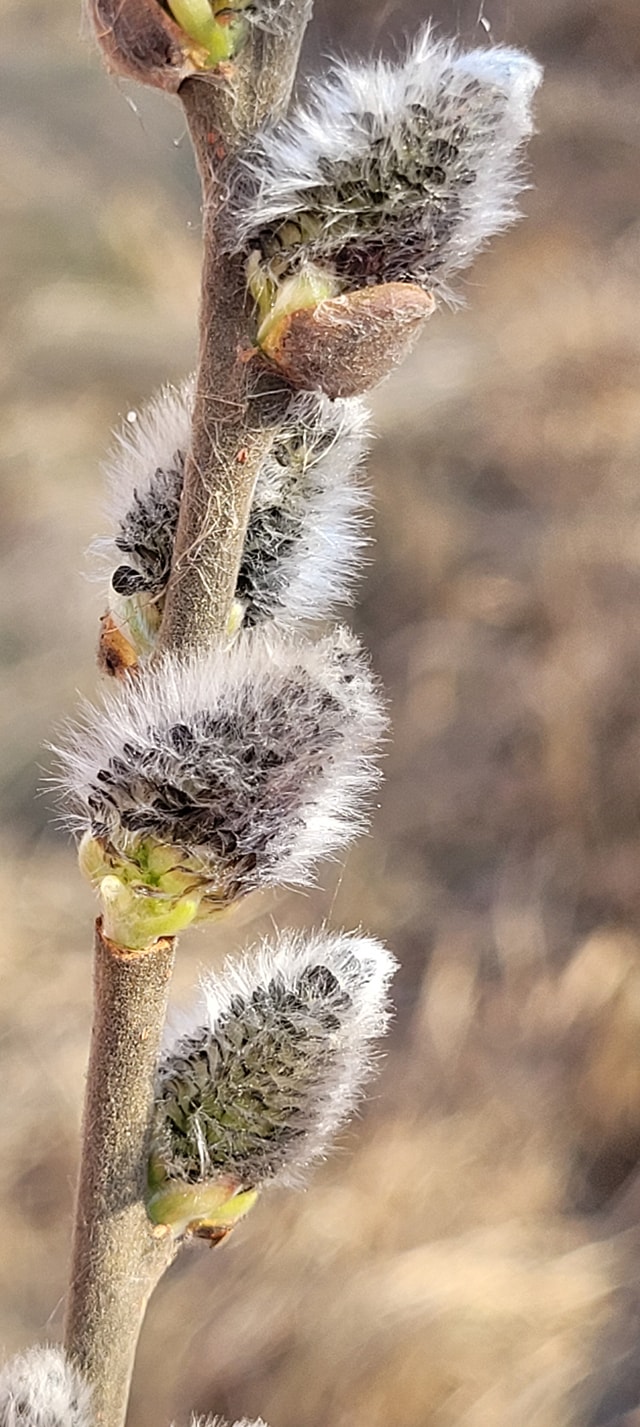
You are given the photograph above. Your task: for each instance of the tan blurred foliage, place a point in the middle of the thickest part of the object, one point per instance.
(471, 1256)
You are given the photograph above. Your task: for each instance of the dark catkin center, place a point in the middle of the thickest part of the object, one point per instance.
(226, 785)
(389, 213)
(240, 1096)
(277, 520)
(147, 533)
(285, 487)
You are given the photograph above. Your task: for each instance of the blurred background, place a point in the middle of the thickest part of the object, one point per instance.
(470, 1256)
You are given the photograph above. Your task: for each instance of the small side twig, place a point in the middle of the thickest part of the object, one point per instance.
(117, 1255)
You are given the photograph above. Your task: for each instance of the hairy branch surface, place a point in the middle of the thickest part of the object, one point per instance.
(117, 1256)
(236, 404)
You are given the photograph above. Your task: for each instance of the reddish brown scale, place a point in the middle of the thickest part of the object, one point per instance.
(141, 41)
(116, 656)
(348, 344)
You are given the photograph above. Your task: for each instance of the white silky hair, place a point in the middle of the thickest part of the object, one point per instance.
(219, 1422)
(41, 1388)
(258, 672)
(147, 441)
(362, 968)
(356, 103)
(321, 567)
(327, 504)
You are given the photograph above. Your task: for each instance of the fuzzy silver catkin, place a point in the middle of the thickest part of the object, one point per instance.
(219, 1422)
(392, 172)
(306, 527)
(41, 1388)
(272, 1062)
(252, 762)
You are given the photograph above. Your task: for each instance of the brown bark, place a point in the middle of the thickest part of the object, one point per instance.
(118, 1257)
(236, 401)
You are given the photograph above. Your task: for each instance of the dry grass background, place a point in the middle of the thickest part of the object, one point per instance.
(471, 1256)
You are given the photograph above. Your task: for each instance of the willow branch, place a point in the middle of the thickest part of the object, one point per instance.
(235, 404)
(117, 1255)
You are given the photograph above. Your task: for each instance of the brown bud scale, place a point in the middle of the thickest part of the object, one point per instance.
(348, 344)
(140, 40)
(116, 655)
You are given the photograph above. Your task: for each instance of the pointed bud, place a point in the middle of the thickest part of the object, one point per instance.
(162, 46)
(218, 27)
(42, 1389)
(391, 173)
(270, 1065)
(200, 781)
(140, 40)
(305, 530)
(348, 345)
